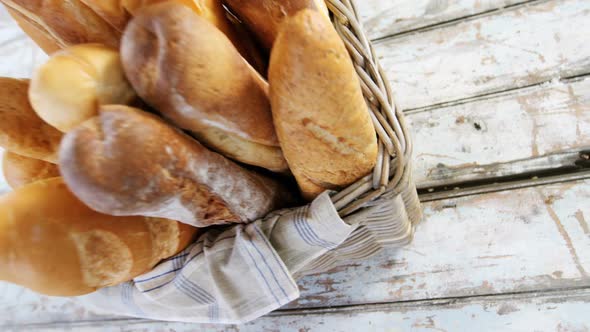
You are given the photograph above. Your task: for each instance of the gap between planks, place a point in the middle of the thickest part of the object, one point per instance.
(576, 292)
(561, 163)
(518, 47)
(550, 296)
(470, 159)
(456, 20)
(497, 94)
(558, 165)
(504, 186)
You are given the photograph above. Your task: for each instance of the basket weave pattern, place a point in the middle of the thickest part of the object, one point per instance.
(383, 205)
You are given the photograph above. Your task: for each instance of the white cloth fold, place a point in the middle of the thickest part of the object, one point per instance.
(234, 274)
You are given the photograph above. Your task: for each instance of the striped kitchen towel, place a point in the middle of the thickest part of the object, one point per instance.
(234, 274)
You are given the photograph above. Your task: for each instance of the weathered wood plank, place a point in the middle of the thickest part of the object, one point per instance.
(530, 239)
(382, 18)
(516, 184)
(523, 131)
(556, 311)
(515, 48)
(509, 241)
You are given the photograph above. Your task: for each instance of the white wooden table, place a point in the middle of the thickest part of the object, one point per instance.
(498, 95)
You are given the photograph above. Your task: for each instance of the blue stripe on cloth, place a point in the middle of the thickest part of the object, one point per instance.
(177, 264)
(272, 272)
(127, 299)
(169, 281)
(175, 257)
(315, 236)
(305, 230)
(182, 254)
(262, 275)
(192, 290)
(200, 252)
(213, 312)
(158, 276)
(186, 251)
(272, 250)
(300, 230)
(157, 287)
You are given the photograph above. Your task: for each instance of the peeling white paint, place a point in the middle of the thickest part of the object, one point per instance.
(452, 62)
(384, 18)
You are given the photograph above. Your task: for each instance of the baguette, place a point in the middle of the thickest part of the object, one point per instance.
(318, 107)
(188, 70)
(69, 87)
(65, 22)
(19, 170)
(53, 244)
(264, 17)
(37, 33)
(119, 12)
(129, 162)
(21, 129)
(115, 12)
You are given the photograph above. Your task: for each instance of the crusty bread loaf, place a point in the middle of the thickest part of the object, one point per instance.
(129, 162)
(68, 88)
(264, 17)
(321, 117)
(115, 12)
(21, 129)
(119, 12)
(189, 71)
(66, 22)
(19, 170)
(53, 244)
(37, 33)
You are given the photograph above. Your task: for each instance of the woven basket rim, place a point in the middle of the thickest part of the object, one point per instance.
(383, 206)
(392, 172)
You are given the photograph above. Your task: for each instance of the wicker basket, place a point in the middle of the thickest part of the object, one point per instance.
(384, 205)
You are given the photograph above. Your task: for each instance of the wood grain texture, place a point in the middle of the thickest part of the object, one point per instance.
(509, 241)
(515, 48)
(522, 131)
(554, 311)
(382, 18)
(530, 239)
